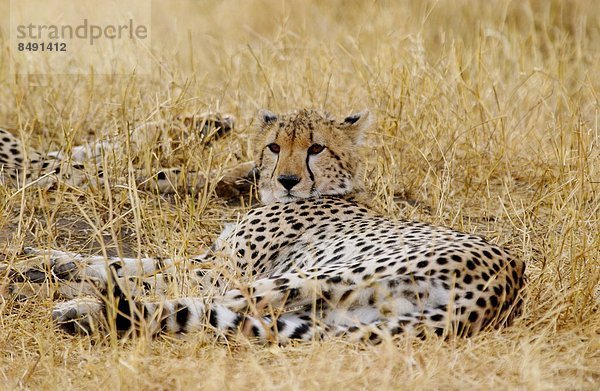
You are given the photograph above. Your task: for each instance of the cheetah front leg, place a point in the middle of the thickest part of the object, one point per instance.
(82, 165)
(233, 183)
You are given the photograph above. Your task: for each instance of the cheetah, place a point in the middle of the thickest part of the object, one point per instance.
(82, 166)
(311, 262)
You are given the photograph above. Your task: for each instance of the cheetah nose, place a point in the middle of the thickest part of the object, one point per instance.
(288, 181)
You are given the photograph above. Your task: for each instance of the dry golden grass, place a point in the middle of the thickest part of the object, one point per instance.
(488, 121)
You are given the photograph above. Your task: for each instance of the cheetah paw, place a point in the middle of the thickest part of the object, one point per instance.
(63, 265)
(78, 316)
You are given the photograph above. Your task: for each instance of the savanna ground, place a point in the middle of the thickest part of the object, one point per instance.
(487, 121)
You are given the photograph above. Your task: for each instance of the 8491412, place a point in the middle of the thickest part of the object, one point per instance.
(42, 47)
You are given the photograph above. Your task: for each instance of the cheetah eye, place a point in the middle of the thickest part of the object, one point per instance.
(315, 149)
(275, 148)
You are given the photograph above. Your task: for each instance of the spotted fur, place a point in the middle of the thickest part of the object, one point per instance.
(310, 263)
(21, 167)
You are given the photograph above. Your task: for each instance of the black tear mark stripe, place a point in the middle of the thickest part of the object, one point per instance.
(275, 168)
(310, 173)
(260, 159)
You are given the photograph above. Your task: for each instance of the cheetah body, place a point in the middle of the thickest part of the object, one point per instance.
(83, 164)
(371, 270)
(314, 262)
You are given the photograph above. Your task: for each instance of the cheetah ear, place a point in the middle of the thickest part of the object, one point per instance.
(266, 117)
(356, 125)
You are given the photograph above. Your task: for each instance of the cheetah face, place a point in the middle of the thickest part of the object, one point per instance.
(308, 154)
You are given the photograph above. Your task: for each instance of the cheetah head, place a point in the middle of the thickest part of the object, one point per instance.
(308, 154)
